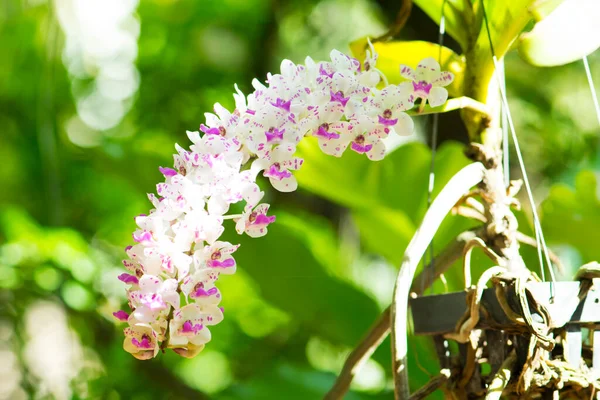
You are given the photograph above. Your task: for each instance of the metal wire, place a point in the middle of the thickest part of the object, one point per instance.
(539, 235)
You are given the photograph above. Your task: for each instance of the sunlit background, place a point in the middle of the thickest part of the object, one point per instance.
(93, 96)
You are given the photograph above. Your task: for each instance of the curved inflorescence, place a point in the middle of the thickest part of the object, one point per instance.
(177, 257)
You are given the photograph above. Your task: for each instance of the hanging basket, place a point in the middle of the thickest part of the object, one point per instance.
(538, 339)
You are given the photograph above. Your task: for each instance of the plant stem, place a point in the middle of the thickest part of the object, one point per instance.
(401, 19)
(434, 383)
(232, 216)
(458, 103)
(359, 355)
(501, 378)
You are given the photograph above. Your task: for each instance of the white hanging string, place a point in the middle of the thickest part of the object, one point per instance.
(540, 240)
(504, 123)
(588, 73)
(434, 140)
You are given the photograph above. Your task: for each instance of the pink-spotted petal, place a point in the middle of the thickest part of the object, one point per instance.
(407, 72)
(293, 164)
(282, 153)
(335, 147)
(149, 284)
(256, 231)
(285, 185)
(428, 70)
(444, 79)
(213, 315)
(377, 152)
(406, 91)
(262, 208)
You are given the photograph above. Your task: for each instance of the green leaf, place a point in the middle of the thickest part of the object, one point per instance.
(457, 14)
(568, 34)
(291, 382)
(341, 180)
(572, 216)
(385, 231)
(393, 54)
(507, 19)
(388, 198)
(291, 270)
(354, 181)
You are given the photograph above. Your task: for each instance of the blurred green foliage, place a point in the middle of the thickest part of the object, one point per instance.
(305, 294)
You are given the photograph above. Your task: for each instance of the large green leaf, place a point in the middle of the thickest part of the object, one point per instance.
(458, 15)
(507, 19)
(289, 265)
(392, 54)
(399, 181)
(572, 215)
(385, 231)
(569, 33)
(291, 382)
(388, 198)
(465, 22)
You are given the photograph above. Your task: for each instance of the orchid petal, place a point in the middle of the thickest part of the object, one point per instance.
(437, 96)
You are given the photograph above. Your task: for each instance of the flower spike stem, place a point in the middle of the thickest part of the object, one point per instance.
(458, 103)
(460, 184)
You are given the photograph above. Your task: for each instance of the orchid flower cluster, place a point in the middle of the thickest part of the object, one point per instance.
(178, 257)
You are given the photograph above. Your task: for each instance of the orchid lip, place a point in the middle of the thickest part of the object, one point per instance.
(321, 132)
(167, 172)
(359, 148)
(188, 327)
(262, 219)
(143, 237)
(128, 279)
(200, 292)
(143, 344)
(210, 131)
(339, 97)
(284, 105)
(274, 172)
(422, 88)
(387, 122)
(121, 315)
(322, 72)
(275, 135)
(230, 262)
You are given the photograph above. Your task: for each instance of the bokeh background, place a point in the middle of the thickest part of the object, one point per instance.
(93, 96)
